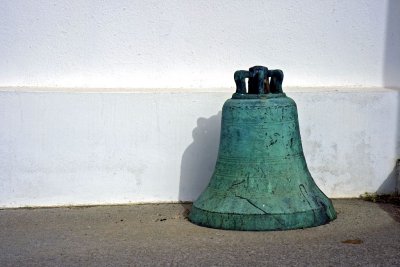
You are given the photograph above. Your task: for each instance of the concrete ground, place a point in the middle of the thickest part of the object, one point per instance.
(364, 233)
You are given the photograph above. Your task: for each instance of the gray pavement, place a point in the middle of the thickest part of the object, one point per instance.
(364, 233)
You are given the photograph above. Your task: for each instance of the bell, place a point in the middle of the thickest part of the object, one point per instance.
(261, 180)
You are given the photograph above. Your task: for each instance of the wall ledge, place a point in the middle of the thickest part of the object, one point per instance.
(289, 89)
(80, 146)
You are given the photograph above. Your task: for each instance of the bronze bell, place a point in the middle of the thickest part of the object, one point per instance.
(261, 180)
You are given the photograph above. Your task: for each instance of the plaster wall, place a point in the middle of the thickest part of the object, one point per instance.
(105, 147)
(64, 141)
(197, 44)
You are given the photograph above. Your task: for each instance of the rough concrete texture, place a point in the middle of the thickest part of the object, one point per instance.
(160, 234)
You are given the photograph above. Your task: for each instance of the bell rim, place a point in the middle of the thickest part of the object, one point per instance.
(262, 222)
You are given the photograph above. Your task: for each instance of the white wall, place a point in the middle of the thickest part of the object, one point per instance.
(197, 44)
(117, 147)
(64, 141)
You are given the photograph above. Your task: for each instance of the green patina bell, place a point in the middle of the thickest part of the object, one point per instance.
(261, 180)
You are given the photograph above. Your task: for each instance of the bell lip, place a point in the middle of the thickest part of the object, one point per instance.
(257, 96)
(261, 222)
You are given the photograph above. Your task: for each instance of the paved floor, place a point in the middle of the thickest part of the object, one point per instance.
(159, 234)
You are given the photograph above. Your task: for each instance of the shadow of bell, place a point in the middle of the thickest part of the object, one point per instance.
(198, 160)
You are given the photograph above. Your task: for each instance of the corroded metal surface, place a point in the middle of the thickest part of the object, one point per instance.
(261, 180)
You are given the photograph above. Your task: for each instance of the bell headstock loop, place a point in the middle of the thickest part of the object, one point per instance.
(258, 74)
(261, 81)
(240, 76)
(275, 85)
